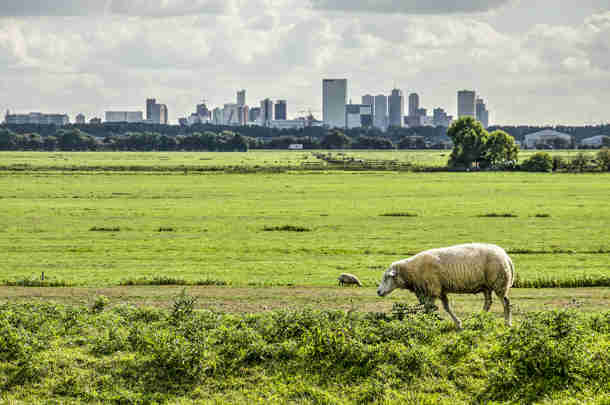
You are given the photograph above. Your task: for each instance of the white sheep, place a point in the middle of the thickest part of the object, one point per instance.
(346, 278)
(470, 268)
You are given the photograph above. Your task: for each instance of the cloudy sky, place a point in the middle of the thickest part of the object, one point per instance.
(533, 61)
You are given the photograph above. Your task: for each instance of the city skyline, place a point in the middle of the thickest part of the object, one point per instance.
(536, 63)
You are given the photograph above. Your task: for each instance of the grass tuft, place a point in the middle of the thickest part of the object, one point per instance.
(399, 214)
(498, 215)
(544, 215)
(286, 228)
(165, 229)
(35, 282)
(105, 229)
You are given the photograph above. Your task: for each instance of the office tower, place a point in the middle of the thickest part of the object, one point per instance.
(413, 104)
(243, 112)
(217, 116)
(334, 99)
(441, 119)
(203, 111)
(80, 119)
(466, 99)
(369, 100)
(280, 110)
(266, 115)
(396, 107)
(358, 115)
(241, 97)
(156, 113)
(482, 114)
(254, 114)
(380, 112)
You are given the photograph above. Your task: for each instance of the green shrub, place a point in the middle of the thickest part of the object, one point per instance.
(538, 162)
(99, 304)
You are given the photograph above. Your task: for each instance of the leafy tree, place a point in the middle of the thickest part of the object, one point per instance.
(606, 141)
(538, 162)
(469, 142)
(336, 140)
(500, 148)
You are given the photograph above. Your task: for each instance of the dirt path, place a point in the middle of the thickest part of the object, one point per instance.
(256, 299)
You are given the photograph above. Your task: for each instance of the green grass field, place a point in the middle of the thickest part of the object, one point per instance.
(98, 229)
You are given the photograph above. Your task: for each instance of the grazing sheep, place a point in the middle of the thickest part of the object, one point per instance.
(470, 268)
(346, 278)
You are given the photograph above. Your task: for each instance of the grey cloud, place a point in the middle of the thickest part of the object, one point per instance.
(155, 8)
(410, 6)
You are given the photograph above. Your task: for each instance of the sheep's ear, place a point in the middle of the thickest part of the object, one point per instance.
(392, 272)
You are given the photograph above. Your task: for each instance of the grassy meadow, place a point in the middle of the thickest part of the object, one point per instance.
(210, 286)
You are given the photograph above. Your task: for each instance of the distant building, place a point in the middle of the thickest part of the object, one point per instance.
(358, 115)
(156, 113)
(95, 121)
(80, 119)
(466, 103)
(547, 138)
(440, 118)
(217, 116)
(334, 99)
(280, 110)
(396, 108)
(380, 112)
(369, 100)
(241, 97)
(254, 114)
(266, 115)
(595, 141)
(288, 124)
(482, 113)
(413, 104)
(230, 114)
(203, 112)
(124, 116)
(37, 118)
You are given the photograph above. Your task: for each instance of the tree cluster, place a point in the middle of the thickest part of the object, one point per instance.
(473, 146)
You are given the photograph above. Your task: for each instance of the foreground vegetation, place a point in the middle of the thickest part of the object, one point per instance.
(67, 354)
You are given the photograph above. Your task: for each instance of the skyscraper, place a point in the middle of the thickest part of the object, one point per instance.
(380, 113)
(482, 113)
(334, 99)
(156, 113)
(413, 104)
(396, 107)
(241, 97)
(80, 119)
(266, 115)
(369, 100)
(466, 99)
(280, 110)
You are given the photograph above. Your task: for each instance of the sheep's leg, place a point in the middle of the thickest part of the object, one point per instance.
(487, 305)
(445, 302)
(507, 314)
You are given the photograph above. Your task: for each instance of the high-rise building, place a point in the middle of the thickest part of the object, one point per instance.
(413, 104)
(358, 115)
(254, 114)
(156, 113)
(80, 119)
(95, 121)
(124, 116)
(230, 114)
(266, 115)
(466, 106)
(217, 116)
(396, 108)
(280, 110)
(380, 112)
(203, 112)
(441, 119)
(334, 99)
(241, 97)
(482, 113)
(369, 100)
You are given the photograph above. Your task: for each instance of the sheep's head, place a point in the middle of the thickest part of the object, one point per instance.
(389, 281)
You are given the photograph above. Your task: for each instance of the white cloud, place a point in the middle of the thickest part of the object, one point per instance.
(410, 6)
